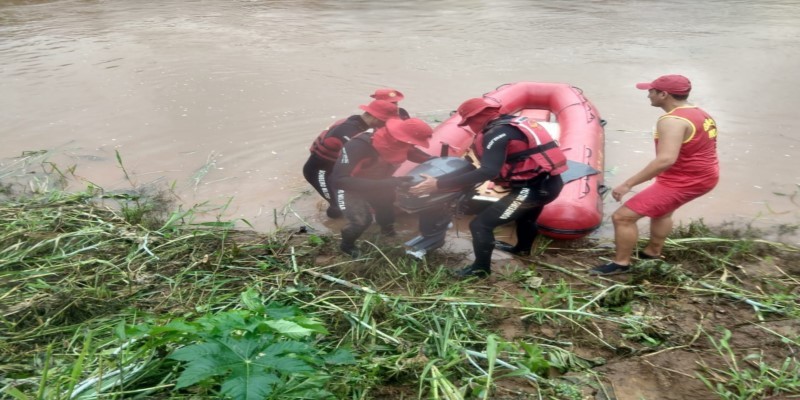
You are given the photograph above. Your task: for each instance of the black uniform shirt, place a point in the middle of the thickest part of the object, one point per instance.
(495, 143)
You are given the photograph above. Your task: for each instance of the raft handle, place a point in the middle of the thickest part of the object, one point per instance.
(445, 150)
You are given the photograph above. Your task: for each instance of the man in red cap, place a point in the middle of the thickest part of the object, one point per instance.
(363, 178)
(393, 96)
(516, 153)
(685, 168)
(326, 148)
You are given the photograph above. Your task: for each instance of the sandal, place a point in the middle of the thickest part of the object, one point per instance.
(611, 268)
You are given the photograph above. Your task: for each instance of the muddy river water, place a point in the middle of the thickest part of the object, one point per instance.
(219, 100)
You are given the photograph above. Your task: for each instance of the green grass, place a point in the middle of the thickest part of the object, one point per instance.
(80, 278)
(751, 376)
(119, 296)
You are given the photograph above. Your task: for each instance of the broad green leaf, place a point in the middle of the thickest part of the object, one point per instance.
(311, 323)
(177, 325)
(286, 347)
(252, 299)
(197, 371)
(285, 365)
(289, 328)
(195, 351)
(315, 240)
(256, 385)
(278, 311)
(243, 348)
(254, 325)
(225, 323)
(248, 355)
(137, 330)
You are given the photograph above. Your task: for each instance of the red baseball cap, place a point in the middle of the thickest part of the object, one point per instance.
(473, 107)
(387, 94)
(381, 109)
(672, 84)
(412, 130)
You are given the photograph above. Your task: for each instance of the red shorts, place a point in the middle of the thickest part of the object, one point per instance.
(658, 200)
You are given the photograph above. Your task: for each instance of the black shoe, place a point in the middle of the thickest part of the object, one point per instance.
(644, 256)
(333, 212)
(351, 250)
(611, 268)
(509, 248)
(473, 271)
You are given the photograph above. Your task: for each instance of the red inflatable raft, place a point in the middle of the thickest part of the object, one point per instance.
(570, 118)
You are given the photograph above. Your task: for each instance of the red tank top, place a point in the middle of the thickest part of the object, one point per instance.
(697, 164)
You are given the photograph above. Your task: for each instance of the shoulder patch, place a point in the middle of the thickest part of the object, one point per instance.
(495, 139)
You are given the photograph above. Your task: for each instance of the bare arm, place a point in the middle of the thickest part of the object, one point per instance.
(672, 132)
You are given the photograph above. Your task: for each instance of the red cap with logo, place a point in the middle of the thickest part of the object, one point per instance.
(381, 109)
(412, 130)
(387, 94)
(473, 107)
(672, 84)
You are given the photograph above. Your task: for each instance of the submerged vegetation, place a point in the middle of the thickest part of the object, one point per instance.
(115, 296)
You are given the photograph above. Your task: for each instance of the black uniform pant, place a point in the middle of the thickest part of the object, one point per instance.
(358, 208)
(317, 172)
(522, 205)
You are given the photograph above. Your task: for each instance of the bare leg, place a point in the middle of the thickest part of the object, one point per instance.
(626, 233)
(659, 229)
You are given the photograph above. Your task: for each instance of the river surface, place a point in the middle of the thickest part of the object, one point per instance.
(219, 100)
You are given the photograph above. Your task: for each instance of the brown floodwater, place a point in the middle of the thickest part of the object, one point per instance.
(219, 100)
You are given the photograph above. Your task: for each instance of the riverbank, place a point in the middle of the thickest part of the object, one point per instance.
(112, 296)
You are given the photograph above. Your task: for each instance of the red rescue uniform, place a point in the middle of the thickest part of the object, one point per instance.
(694, 173)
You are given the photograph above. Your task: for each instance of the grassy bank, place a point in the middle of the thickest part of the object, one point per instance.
(122, 300)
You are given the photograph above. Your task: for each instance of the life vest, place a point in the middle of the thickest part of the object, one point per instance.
(525, 160)
(328, 147)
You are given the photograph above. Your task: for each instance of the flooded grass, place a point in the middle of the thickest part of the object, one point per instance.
(114, 296)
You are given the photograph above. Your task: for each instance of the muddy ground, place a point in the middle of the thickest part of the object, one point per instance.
(664, 361)
(713, 282)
